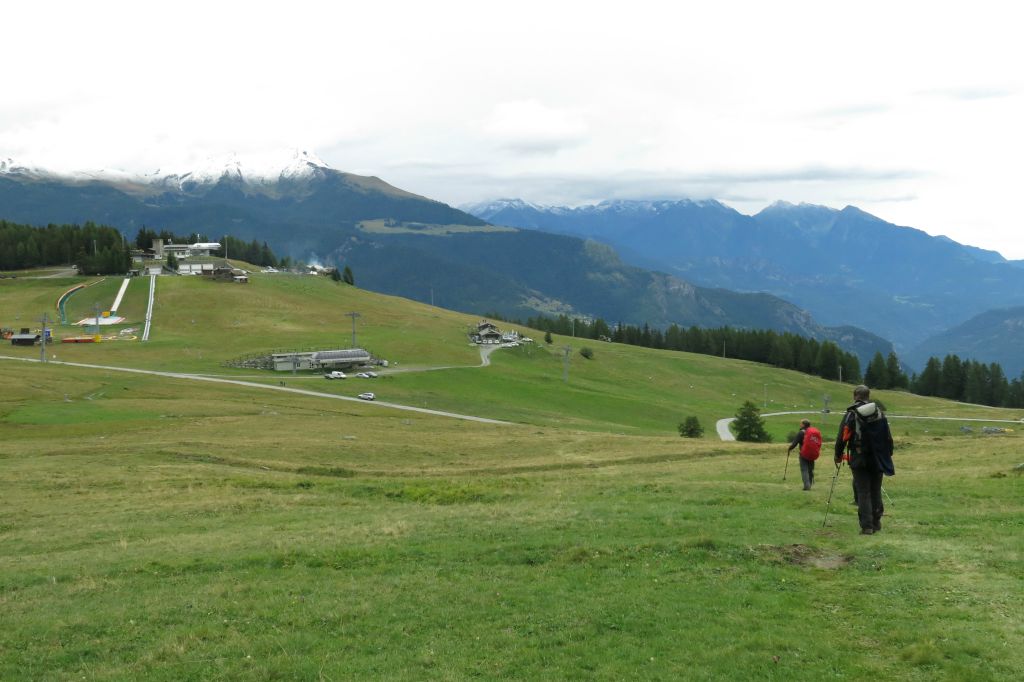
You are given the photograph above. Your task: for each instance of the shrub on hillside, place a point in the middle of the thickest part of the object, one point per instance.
(586, 352)
(691, 428)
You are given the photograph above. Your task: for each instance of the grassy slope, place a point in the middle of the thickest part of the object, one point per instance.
(199, 324)
(162, 529)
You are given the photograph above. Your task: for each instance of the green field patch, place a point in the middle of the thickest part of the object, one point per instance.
(431, 493)
(78, 412)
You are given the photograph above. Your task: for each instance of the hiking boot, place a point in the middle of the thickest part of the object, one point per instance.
(867, 531)
(876, 526)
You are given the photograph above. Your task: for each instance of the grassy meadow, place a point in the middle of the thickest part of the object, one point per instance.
(167, 529)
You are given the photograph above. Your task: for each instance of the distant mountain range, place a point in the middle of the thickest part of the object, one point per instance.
(844, 266)
(400, 243)
(993, 336)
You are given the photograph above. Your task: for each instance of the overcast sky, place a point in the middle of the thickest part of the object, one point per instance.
(910, 111)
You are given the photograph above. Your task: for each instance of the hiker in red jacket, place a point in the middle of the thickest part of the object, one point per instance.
(808, 439)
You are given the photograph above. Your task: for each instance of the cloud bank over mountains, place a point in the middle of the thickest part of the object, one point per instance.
(566, 103)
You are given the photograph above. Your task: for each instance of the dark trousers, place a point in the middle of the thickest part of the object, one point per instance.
(867, 485)
(806, 472)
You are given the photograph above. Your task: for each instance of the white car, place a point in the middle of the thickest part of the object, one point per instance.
(335, 375)
(363, 375)
(366, 396)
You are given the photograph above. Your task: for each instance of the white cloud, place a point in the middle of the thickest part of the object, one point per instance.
(558, 102)
(529, 126)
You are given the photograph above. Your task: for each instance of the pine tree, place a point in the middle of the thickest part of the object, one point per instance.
(877, 374)
(782, 353)
(897, 377)
(347, 276)
(954, 378)
(691, 428)
(930, 378)
(749, 426)
(826, 364)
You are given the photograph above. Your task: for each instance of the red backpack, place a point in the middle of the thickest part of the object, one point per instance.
(811, 447)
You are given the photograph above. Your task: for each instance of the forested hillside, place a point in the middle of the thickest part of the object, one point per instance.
(95, 249)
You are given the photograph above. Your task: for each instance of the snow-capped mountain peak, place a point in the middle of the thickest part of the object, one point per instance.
(497, 205)
(9, 166)
(250, 170)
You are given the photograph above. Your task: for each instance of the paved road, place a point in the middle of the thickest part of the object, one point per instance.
(268, 387)
(722, 425)
(60, 273)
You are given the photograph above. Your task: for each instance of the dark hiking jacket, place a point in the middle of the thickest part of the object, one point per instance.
(864, 453)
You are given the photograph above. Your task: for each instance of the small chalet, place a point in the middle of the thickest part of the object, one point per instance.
(486, 332)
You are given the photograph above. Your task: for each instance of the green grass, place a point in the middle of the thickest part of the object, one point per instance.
(166, 529)
(232, 535)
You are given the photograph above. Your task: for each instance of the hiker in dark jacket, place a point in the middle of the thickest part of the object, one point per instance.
(870, 455)
(809, 446)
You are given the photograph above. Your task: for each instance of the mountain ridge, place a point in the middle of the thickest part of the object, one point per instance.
(324, 214)
(845, 266)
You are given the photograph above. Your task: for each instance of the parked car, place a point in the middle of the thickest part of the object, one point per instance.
(367, 396)
(363, 375)
(335, 375)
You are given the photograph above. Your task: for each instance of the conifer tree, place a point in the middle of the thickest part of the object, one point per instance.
(897, 377)
(691, 428)
(877, 374)
(749, 426)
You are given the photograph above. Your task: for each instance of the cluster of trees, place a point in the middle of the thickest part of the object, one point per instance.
(253, 252)
(780, 349)
(886, 373)
(345, 276)
(969, 381)
(95, 249)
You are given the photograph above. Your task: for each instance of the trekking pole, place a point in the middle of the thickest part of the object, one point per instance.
(887, 497)
(787, 465)
(828, 504)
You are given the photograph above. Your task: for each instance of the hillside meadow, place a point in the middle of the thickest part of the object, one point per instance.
(162, 528)
(198, 325)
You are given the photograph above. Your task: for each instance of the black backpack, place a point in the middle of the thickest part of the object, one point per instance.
(873, 438)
